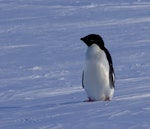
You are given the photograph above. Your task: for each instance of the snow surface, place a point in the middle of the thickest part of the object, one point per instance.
(42, 60)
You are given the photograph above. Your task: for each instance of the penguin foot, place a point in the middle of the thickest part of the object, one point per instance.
(92, 100)
(89, 100)
(107, 99)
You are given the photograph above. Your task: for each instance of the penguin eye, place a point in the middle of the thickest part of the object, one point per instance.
(92, 40)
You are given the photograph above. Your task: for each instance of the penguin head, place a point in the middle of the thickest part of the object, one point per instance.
(93, 39)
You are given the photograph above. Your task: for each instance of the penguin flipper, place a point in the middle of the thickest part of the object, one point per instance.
(83, 79)
(111, 71)
(112, 76)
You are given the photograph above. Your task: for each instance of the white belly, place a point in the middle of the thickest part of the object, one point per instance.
(96, 75)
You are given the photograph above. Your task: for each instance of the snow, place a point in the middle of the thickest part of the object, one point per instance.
(42, 60)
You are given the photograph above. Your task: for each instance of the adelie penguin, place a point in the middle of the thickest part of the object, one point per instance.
(98, 77)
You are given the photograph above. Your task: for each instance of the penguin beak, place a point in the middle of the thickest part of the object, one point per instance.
(82, 39)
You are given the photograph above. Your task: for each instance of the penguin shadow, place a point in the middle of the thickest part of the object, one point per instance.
(69, 103)
(9, 107)
(50, 105)
(73, 102)
(80, 102)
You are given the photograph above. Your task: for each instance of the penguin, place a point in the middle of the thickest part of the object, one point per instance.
(98, 77)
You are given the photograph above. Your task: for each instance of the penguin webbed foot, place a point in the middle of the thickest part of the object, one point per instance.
(107, 99)
(90, 100)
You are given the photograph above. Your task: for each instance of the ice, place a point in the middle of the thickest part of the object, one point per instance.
(42, 61)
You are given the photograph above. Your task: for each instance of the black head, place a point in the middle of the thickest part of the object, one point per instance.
(93, 39)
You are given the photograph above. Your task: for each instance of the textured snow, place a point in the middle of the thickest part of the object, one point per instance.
(42, 60)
